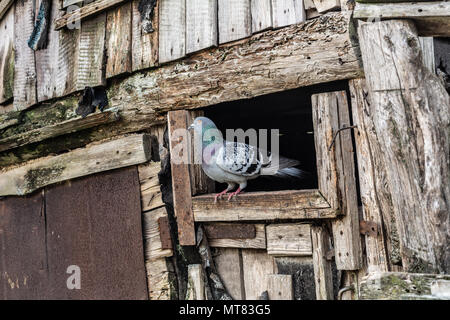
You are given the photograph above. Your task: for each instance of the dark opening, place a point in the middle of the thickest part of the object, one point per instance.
(290, 112)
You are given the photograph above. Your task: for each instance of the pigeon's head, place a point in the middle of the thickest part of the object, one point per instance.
(206, 129)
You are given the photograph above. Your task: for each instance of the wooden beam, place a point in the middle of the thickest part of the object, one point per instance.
(93, 158)
(289, 239)
(85, 11)
(279, 287)
(336, 173)
(65, 127)
(257, 242)
(432, 19)
(410, 111)
(258, 206)
(180, 176)
(323, 276)
(402, 286)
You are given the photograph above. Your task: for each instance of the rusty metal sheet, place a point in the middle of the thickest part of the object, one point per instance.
(164, 233)
(230, 231)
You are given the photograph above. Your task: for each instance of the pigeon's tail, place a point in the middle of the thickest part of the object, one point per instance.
(284, 169)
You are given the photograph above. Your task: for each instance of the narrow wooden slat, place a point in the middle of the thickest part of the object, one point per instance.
(144, 49)
(151, 196)
(152, 239)
(427, 45)
(91, 57)
(180, 177)
(234, 20)
(88, 10)
(254, 206)
(258, 242)
(172, 30)
(289, 239)
(7, 55)
(257, 266)
(93, 158)
(24, 66)
(286, 12)
(201, 24)
(196, 283)
(323, 6)
(261, 15)
(322, 265)
(118, 40)
(65, 127)
(279, 287)
(228, 262)
(336, 174)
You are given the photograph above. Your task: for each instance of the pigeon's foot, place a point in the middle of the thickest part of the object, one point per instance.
(234, 193)
(219, 195)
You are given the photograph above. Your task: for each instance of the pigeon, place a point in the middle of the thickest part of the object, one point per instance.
(234, 162)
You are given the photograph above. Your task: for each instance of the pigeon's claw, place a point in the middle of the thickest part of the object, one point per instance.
(234, 193)
(219, 195)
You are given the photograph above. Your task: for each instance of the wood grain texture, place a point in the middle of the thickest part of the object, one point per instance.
(336, 174)
(180, 177)
(432, 19)
(144, 46)
(427, 46)
(152, 239)
(7, 56)
(290, 239)
(201, 24)
(377, 205)
(25, 65)
(257, 266)
(159, 278)
(118, 40)
(4, 6)
(254, 206)
(323, 6)
(196, 283)
(258, 242)
(172, 30)
(228, 262)
(279, 287)
(235, 20)
(323, 276)
(91, 55)
(94, 158)
(151, 197)
(261, 11)
(286, 12)
(410, 112)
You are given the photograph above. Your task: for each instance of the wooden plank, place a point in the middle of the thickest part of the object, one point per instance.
(261, 11)
(235, 20)
(91, 55)
(410, 111)
(336, 174)
(289, 239)
(172, 30)
(4, 6)
(24, 65)
(229, 230)
(7, 56)
(432, 19)
(65, 127)
(46, 68)
(111, 263)
(254, 206)
(201, 24)
(118, 40)
(257, 266)
(153, 245)
(302, 271)
(122, 152)
(377, 206)
(286, 12)
(258, 242)
(400, 286)
(322, 265)
(196, 283)
(89, 10)
(279, 287)
(228, 262)
(427, 46)
(159, 278)
(323, 6)
(180, 177)
(144, 44)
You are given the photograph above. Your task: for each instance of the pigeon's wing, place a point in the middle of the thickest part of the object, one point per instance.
(239, 159)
